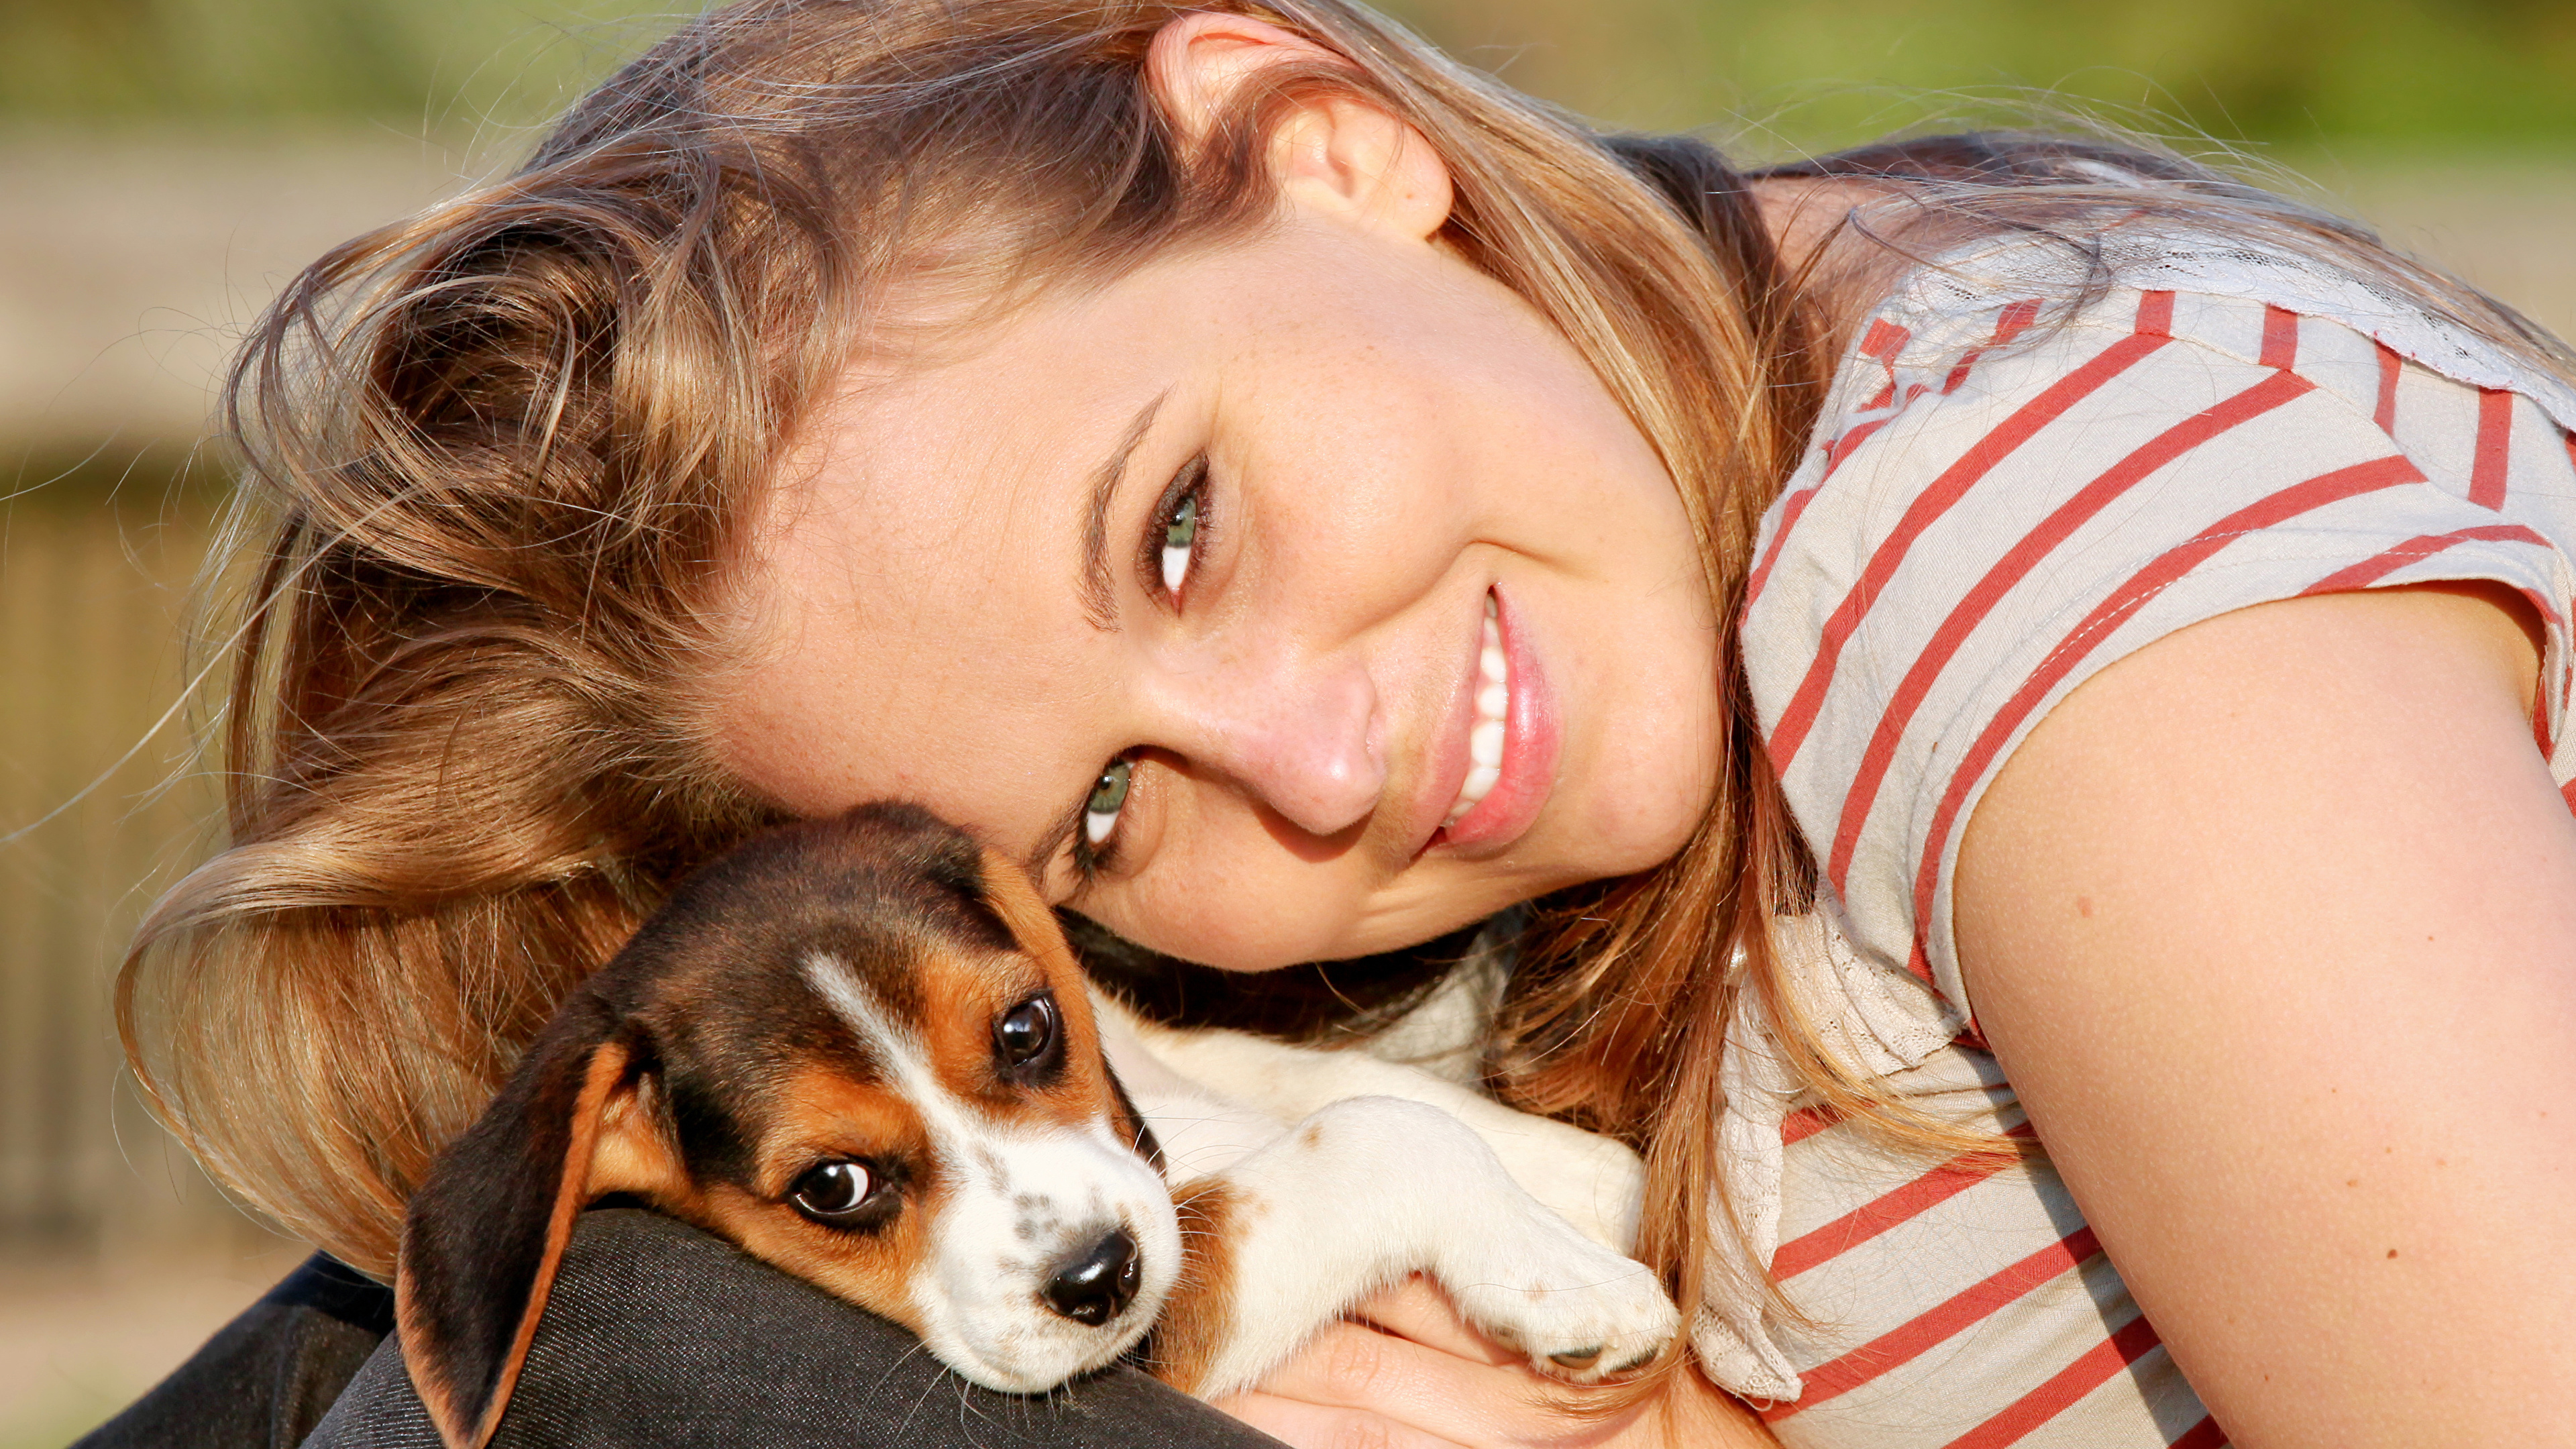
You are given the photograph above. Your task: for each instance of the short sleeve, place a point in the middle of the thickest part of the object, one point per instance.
(2004, 525)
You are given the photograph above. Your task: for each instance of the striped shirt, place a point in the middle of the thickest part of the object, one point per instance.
(2015, 483)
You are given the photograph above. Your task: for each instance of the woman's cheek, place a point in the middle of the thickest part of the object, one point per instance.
(1235, 904)
(1232, 930)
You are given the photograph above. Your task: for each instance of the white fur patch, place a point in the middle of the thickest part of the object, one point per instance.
(1388, 1170)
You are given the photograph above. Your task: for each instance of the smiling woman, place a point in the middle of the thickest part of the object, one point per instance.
(1304, 499)
(1392, 469)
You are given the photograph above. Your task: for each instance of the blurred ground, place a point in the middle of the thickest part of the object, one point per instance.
(81, 1338)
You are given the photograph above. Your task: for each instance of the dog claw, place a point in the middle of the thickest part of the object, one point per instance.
(1578, 1358)
(1634, 1364)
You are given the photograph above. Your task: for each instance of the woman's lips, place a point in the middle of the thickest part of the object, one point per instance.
(1511, 741)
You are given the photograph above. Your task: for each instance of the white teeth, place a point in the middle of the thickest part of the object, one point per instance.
(1493, 705)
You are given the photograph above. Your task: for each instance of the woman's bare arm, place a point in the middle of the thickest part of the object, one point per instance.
(2273, 925)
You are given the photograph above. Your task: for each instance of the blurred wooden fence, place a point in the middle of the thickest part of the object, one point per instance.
(91, 592)
(128, 262)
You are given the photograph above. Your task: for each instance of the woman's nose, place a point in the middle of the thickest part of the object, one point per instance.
(1301, 736)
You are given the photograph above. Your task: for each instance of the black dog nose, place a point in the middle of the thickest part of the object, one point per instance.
(1097, 1283)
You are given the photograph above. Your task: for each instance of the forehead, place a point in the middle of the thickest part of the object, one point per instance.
(912, 591)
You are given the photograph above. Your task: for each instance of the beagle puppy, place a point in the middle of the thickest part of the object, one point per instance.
(860, 1050)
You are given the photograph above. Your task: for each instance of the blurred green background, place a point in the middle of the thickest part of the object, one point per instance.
(165, 164)
(2411, 74)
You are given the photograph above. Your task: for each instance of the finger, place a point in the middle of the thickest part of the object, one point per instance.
(1351, 1366)
(1419, 1310)
(1321, 1426)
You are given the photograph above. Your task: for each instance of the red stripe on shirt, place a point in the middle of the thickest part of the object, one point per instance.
(1849, 443)
(1884, 340)
(2204, 1435)
(2026, 555)
(2106, 617)
(2414, 550)
(2011, 323)
(1789, 512)
(1806, 1122)
(1946, 490)
(1835, 452)
(2391, 366)
(2280, 337)
(1903, 1344)
(2125, 1346)
(1890, 1210)
(2495, 447)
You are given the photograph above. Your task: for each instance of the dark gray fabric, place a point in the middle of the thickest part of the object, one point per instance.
(269, 1375)
(657, 1335)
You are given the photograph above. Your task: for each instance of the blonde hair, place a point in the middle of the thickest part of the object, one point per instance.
(496, 459)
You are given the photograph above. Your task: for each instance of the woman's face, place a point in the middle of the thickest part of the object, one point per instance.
(1286, 600)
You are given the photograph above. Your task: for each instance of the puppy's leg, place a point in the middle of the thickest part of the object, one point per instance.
(1594, 1183)
(1362, 1193)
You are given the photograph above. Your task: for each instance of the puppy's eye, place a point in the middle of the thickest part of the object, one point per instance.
(833, 1192)
(1026, 1033)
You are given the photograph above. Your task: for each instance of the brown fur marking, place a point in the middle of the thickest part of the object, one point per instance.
(1200, 1312)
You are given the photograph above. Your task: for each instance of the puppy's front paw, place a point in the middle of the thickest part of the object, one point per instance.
(1579, 1311)
(1595, 1184)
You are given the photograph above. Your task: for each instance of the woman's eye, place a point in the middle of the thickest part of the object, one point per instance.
(1108, 796)
(1180, 541)
(832, 1191)
(1180, 517)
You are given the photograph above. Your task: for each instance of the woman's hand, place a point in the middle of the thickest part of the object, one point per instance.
(1409, 1373)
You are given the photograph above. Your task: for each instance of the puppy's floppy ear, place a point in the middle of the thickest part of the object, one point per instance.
(487, 1230)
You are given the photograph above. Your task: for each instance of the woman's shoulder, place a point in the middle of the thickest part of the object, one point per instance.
(1982, 324)
(2039, 458)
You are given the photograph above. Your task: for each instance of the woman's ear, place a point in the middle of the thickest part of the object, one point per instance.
(1334, 154)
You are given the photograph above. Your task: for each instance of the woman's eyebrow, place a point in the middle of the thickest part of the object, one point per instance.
(1099, 593)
